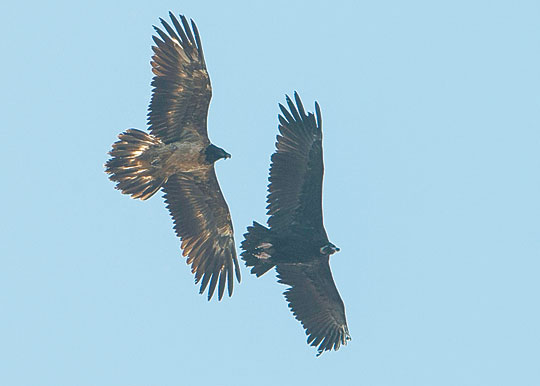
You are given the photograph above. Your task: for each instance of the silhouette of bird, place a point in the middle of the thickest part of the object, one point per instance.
(296, 243)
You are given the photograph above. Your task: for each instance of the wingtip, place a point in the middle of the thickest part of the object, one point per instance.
(319, 115)
(164, 23)
(173, 17)
(210, 295)
(299, 105)
(237, 273)
(213, 284)
(221, 284)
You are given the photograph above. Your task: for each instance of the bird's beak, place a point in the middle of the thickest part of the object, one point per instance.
(227, 155)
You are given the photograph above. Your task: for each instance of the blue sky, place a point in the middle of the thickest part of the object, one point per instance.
(431, 137)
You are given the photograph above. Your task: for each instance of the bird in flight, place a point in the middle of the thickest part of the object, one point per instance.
(296, 243)
(177, 156)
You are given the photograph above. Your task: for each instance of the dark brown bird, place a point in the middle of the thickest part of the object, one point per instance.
(178, 157)
(296, 242)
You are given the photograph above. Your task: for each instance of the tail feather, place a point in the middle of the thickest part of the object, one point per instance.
(133, 174)
(257, 246)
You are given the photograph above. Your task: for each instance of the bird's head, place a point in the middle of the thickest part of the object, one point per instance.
(329, 249)
(213, 153)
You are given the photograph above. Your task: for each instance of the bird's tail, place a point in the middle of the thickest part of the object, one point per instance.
(131, 168)
(258, 249)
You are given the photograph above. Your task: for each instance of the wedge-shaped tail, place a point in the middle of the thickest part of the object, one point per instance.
(131, 167)
(258, 249)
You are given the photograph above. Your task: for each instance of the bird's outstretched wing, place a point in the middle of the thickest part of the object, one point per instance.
(296, 172)
(202, 220)
(181, 85)
(314, 300)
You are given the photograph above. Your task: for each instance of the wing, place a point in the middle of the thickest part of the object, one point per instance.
(296, 172)
(202, 220)
(181, 85)
(314, 300)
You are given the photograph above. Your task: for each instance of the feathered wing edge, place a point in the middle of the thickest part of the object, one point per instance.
(314, 301)
(180, 41)
(181, 85)
(296, 170)
(202, 221)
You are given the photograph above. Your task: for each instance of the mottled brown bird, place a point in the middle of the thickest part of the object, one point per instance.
(296, 242)
(177, 156)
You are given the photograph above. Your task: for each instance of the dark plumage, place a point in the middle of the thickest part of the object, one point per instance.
(177, 156)
(296, 242)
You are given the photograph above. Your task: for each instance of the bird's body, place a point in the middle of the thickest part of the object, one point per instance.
(295, 243)
(177, 156)
(290, 248)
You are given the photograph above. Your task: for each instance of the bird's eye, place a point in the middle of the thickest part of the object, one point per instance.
(328, 249)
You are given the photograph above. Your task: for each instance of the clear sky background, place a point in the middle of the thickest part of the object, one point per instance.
(431, 139)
